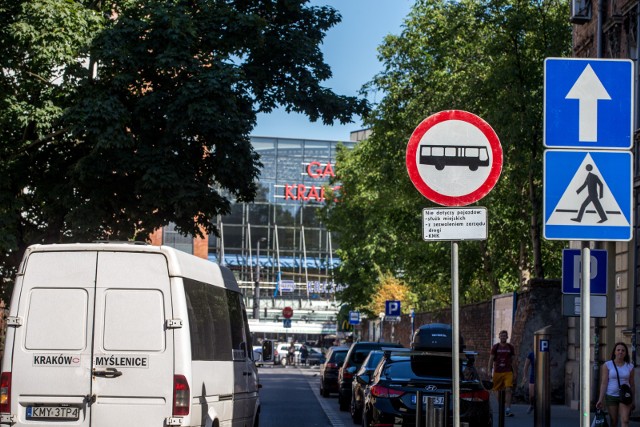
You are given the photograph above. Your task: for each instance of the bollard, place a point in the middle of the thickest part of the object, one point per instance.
(439, 417)
(542, 409)
(419, 412)
(431, 413)
(501, 408)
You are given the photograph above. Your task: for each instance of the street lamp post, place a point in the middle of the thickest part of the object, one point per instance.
(256, 288)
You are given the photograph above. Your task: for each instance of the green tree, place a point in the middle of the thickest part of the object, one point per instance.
(485, 57)
(119, 117)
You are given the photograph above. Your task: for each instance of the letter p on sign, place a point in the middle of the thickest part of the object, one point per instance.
(544, 346)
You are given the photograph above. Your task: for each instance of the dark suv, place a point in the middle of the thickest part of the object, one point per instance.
(329, 370)
(356, 355)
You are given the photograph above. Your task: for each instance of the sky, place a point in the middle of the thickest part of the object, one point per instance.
(350, 49)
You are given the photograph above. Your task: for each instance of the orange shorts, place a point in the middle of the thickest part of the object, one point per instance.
(502, 380)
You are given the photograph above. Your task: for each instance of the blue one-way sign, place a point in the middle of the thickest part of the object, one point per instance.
(588, 103)
(587, 195)
(572, 271)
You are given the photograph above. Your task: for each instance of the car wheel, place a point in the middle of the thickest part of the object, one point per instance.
(323, 391)
(356, 415)
(344, 406)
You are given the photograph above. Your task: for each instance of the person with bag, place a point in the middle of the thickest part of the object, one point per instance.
(617, 386)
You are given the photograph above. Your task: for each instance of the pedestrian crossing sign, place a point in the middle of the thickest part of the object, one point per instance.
(588, 195)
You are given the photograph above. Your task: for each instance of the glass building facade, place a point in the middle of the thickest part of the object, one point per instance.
(282, 224)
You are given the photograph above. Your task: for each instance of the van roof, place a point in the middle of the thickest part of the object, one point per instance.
(180, 264)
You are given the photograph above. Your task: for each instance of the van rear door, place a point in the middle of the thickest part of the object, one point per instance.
(133, 350)
(93, 349)
(51, 360)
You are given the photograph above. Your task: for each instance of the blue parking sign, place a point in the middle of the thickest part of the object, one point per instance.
(588, 103)
(392, 308)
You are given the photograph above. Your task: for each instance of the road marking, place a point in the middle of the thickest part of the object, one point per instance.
(330, 412)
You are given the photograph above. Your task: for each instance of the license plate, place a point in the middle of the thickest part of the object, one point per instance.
(53, 412)
(438, 400)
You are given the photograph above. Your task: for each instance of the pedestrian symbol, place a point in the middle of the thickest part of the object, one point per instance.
(587, 195)
(594, 193)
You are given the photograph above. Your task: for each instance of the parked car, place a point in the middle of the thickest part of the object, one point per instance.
(257, 355)
(329, 369)
(390, 398)
(352, 362)
(361, 380)
(282, 351)
(315, 357)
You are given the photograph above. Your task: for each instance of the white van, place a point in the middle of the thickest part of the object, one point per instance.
(118, 334)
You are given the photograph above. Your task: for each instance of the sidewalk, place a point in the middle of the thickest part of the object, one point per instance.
(561, 416)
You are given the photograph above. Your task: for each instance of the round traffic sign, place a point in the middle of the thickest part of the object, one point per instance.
(287, 312)
(454, 158)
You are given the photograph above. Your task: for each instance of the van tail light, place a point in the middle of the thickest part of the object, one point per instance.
(332, 365)
(380, 391)
(5, 392)
(475, 396)
(180, 395)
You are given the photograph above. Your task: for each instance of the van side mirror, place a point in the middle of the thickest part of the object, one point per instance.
(267, 351)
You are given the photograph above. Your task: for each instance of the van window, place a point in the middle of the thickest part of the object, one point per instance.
(208, 313)
(237, 325)
(57, 319)
(140, 312)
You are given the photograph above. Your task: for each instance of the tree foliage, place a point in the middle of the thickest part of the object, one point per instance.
(119, 117)
(482, 56)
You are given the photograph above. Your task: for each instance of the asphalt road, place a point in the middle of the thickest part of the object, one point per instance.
(290, 396)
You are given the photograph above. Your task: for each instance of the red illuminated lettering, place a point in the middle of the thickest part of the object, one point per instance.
(288, 194)
(315, 170)
(313, 192)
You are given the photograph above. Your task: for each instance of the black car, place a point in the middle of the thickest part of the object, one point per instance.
(361, 380)
(356, 355)
(315, 357)
(329, 370)
(390, 397)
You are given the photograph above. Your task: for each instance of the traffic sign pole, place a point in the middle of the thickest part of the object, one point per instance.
(455, 330)
(454, 158)
(585, 329)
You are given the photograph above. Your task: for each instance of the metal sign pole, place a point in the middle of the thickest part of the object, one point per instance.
(585, 329)
(455, 330)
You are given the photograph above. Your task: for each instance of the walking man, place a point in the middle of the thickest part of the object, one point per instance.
(501, 361)
(593, 184)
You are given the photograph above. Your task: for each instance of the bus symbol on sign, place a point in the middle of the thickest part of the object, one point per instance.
(454, 158)
(454, 155)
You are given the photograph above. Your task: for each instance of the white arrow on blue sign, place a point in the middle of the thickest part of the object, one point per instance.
(392, 308)
(572, 271)
(588, 103)
(587, 195)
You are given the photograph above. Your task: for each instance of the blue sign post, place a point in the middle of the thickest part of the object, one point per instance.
(588, 195)
(572, 266)
(392, 308)
(354, 317)
(588, 103)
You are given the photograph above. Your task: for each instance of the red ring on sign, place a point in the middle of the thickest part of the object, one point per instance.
(443, 199)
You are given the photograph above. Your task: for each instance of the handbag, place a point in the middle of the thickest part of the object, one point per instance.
(600, 420)
(625, 394)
